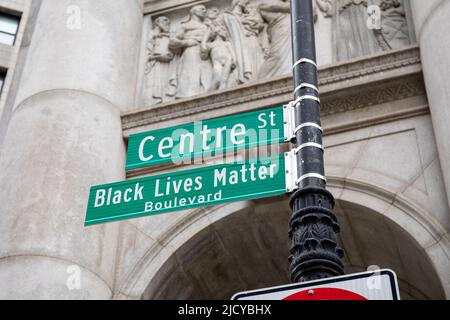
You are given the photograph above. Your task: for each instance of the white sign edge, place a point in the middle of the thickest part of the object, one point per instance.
(366, 274)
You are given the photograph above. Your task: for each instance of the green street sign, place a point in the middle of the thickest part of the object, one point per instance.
(205, 138)
(205, 186)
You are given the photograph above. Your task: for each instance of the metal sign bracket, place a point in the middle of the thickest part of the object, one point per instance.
(290, 159)
(289, 122)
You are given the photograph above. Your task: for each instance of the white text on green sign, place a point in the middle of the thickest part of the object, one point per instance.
(181, 190)
(205, 138)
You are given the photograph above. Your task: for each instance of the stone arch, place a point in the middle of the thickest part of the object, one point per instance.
(243, 246)
(411, 234)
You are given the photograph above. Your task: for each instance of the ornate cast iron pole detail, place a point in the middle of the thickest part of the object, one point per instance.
(313, 226)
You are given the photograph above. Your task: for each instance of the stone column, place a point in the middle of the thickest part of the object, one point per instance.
(63, 137)
(432, 23)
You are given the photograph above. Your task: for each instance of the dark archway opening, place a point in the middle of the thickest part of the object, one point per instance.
(248, 250)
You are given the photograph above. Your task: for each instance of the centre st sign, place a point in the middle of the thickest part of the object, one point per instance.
(187, 189)
(209, 137)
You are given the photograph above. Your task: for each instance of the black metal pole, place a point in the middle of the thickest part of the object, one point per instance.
(314, 253)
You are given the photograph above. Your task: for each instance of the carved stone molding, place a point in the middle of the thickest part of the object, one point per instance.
(379, 93)
(161, 6)
(370, 65)
(358, 83)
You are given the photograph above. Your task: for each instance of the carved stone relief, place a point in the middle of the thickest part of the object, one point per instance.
(279, 56)
(160, 80)
(394, 24)
(194, 66)
(216, 47)
(363, 27)
(232, 42)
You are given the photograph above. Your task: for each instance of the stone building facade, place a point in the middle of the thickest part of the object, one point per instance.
(82, 76)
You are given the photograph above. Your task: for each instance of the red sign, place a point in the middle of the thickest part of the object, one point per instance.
(325, 294)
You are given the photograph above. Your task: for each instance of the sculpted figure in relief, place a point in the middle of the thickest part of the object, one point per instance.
(213, 50)
(217, 43)
(277, 15)
(194, 67)
(232, 20)
(160, 81)
(351, 33)
(253, 27)
(394, 25)
(213, 17)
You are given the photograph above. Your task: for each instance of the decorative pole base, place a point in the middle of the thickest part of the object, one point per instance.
(315, 253)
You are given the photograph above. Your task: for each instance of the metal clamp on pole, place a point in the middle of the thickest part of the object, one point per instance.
(305, 97)
(289, 122)
(308, 144)
(304, 60)
(291, 165)
(305, 85)
(306, 125)
(310, 175)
